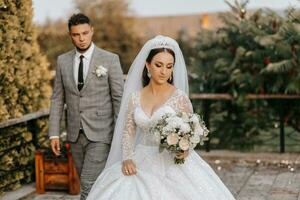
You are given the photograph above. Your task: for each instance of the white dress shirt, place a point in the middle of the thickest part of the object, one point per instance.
(86, 63)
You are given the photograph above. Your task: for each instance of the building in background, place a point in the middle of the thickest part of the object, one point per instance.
(147, 27)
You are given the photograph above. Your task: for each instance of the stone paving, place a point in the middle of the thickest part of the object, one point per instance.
(249, 176)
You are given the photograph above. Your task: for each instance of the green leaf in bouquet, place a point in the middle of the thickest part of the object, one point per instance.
(173, 148)
(178, 161)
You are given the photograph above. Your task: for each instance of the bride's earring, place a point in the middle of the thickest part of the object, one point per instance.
(170, 79)
(148, 74)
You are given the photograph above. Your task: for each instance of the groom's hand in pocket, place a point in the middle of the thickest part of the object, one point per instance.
(128, 167)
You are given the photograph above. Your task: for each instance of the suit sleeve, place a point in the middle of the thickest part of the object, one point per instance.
(116, 83)
(57, 103)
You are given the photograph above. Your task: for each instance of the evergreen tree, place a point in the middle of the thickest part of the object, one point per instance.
(54, 40)
(186, 45)
(251, 53)
(24, 75)
(24, 88)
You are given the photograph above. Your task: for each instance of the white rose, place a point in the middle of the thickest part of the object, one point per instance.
(192, 145)
(98, 71)
(195, 139)
(175, 120)
(185, 127)
(172, 125)
(172, 139)
(184, 144)
(198, 129)
(194, 119)
(103, 68)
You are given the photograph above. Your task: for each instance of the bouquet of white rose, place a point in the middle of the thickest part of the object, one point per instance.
(180, 132)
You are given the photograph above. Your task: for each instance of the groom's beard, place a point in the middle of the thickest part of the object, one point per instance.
(83, 50)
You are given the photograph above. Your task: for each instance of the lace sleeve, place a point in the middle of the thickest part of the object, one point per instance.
(184, 104)
(129, 131)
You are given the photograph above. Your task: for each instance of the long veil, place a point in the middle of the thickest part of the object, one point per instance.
(134, 83)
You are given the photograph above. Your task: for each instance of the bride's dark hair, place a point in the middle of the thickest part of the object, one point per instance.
(152, 53)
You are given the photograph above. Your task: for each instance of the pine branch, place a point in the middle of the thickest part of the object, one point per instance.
(279, 67)
(238, 7)
(293, 15)
(267, 40)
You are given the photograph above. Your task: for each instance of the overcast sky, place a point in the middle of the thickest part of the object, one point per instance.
(55, 9)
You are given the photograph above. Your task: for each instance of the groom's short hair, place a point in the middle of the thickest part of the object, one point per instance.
(77, 19)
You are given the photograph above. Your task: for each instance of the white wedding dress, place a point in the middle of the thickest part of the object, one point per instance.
(157, 178)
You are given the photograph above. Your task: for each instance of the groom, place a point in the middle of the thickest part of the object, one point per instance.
(89, 81)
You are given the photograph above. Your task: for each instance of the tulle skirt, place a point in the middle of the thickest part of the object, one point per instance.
(158, 178)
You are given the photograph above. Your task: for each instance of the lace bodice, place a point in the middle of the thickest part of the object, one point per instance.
(138, 121)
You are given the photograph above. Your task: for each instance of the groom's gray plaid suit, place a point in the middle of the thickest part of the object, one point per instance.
(95, 107)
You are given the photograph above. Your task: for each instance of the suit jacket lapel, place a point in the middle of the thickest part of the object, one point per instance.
(71, 66)
(93, 62)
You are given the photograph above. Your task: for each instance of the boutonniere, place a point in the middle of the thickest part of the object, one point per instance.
(100, 71)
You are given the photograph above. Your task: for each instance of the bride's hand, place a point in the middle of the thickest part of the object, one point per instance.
(182, 155)
(128, 168)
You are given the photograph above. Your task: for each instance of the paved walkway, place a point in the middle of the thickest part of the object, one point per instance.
(249, 176)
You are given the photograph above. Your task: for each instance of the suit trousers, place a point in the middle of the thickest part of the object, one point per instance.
(89, 158)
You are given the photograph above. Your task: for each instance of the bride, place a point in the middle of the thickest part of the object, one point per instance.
(156, 84)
